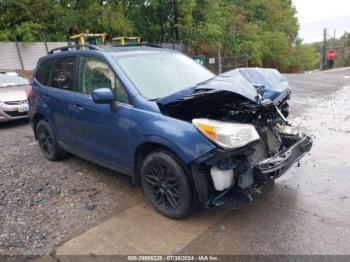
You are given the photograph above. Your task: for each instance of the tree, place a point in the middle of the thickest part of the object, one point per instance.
(264, 30)
(304, 57)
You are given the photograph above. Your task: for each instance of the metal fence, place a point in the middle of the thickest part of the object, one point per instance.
(18, 55)
(343, 57)
(177, 47)
(224, 64)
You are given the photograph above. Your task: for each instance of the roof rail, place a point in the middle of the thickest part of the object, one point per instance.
(76, 47)
(142, 44)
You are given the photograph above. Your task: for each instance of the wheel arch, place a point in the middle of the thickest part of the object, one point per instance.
(142, 151)
(36, 118)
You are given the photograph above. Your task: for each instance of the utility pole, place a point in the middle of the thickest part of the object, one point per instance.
(332, 62)
(19, 53)
(344, 47)
(324, 50)
(46, 47)
(321, 57)
(219, 60)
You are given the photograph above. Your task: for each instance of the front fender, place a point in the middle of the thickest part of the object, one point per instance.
(179, 136)
(187, 153)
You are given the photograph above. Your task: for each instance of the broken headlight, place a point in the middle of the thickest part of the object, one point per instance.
(227, 135)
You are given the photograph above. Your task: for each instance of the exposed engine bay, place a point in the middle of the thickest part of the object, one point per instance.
(232, 108)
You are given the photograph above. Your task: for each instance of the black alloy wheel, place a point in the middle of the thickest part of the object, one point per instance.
(163, 185)
(166, 185)
(47, 141)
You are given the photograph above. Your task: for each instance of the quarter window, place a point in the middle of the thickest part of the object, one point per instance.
(63, 73)
(43, 72)
(95, 73)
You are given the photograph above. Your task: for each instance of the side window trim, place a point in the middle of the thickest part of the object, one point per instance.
(51, 69)
(103, 59)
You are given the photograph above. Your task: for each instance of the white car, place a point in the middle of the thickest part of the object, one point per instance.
(13, 97)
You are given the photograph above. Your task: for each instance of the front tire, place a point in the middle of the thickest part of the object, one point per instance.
(47, 141)
(165, 185)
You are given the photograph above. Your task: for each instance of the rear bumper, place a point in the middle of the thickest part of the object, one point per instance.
(277, 165)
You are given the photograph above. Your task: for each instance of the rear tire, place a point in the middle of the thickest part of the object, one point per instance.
(165, 185)
(47, 141)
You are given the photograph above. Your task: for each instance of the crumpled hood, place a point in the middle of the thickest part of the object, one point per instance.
(251, 83)
(268, 81)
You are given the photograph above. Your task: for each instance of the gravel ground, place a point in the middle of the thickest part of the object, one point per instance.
(43, 203)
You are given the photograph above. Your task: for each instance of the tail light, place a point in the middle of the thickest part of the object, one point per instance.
(29, 91)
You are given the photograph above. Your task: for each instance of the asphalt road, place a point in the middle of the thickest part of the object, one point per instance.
(75, 207)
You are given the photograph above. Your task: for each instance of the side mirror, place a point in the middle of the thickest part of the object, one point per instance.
(103, 96)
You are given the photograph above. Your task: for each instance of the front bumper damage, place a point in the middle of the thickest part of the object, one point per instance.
(252, 96)
(277, 165)
(250, 174)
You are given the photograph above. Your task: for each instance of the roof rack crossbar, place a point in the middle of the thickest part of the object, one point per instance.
(142, 44)
(66, 48)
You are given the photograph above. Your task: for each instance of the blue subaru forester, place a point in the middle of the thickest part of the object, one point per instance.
(187, 136)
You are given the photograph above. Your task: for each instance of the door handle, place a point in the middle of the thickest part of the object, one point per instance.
(77, 108)
(71, 107)
(46, 98)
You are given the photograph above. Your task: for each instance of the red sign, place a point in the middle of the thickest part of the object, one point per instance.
(331, 54)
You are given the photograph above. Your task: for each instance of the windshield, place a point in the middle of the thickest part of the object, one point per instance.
(12, 79)
(157, 75)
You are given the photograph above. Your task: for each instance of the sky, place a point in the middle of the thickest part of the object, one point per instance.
(314, 15)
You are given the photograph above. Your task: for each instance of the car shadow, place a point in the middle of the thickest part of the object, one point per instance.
(14, 123)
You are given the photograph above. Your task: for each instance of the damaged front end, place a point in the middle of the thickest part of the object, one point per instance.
(244, 113)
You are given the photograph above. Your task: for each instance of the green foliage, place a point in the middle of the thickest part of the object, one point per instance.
(265, 30)
(305, 57)
(113, 19)
(186, 21)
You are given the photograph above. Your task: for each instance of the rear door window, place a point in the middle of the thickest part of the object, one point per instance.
(42, 74)
(63, 73)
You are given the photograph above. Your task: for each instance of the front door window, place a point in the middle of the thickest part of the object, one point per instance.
(95, 73)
